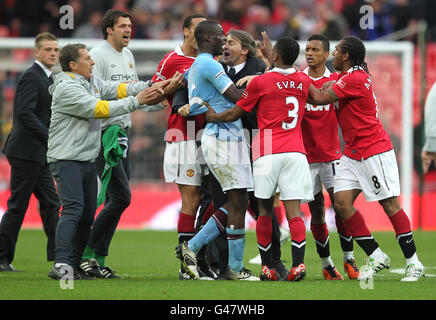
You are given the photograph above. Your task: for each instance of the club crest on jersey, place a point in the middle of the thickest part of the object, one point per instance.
(130, 65)
(245, 95)
(190, 173)
(341, 83)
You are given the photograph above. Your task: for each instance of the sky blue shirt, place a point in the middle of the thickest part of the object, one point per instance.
(207, 82)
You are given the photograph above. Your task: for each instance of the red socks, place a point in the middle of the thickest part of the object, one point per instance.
(401, 223)
(360, 232)
(298, 240)
(185, 227)
(264, 233)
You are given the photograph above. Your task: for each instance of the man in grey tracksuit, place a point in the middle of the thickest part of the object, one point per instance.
(79, 101)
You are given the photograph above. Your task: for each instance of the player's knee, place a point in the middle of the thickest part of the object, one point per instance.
(317, 211)
(341, 207)
(238, 201)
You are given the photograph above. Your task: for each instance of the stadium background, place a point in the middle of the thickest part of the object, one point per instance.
(155, 204)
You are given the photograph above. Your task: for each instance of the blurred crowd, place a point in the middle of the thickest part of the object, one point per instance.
(161, 19)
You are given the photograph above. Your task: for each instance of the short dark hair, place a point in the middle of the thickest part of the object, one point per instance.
(325, 42)
(246, 40)
(187, 22)
(288, 49)
(110, 18)
(204, 28)
(43, 37)
(70, 53)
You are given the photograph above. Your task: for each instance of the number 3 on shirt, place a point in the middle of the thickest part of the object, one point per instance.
(291, 114)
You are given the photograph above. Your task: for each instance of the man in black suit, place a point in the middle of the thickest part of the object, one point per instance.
(26, 149)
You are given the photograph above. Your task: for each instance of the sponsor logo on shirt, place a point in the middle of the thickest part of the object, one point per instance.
(122, 77)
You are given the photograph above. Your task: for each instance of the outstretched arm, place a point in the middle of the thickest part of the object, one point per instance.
(318, 97)
(233, 93)
(229, 115)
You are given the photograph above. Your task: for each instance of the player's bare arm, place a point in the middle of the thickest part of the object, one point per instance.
(229, 115)
(327, 85)
(233, 93)
(319, 97)
(169, 86)
(150, 96)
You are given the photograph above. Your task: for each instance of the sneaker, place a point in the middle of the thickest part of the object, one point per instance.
(108, 273)
(244, 275)
(413, 273)
(7, 267)
(188, 258)
(183, 275)
(280, 268)
(80, 274)
(92, 268)
(331, 273)
(60, 272)
(297, 273)
(268, 274)
(351, 269)
(204, 268)
(373, 267)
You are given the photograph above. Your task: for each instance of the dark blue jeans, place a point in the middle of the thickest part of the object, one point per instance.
(77, 188)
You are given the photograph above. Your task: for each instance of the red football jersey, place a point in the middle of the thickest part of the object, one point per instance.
(357, 115)
(177, 129)
(320, 127)
(279, 96)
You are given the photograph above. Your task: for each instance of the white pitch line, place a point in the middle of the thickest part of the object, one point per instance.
(403, 270)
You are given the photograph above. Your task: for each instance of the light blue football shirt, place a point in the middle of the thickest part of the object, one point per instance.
(207, 82)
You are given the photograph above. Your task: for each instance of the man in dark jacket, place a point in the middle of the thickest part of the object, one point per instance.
(26, 149)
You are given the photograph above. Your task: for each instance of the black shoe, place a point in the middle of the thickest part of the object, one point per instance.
(92, 268)
(80, 274)
(60, 272)
(108, 273)
(205, 269)
(7, 267)
(281, 270)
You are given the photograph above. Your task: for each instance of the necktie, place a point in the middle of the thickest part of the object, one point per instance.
(50, 79)
(232, 72)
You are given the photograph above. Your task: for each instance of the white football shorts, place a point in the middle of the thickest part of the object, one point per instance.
(229, 162)
(184, 163)
(323, 174)
(289, 172)
(377, 176)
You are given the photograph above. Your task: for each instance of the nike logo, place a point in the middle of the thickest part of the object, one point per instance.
(184, 70)
(377, 192)
(409, 241)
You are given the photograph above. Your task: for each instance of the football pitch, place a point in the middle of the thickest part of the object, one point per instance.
(146, 261)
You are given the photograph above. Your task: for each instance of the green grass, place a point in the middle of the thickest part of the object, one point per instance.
(149, 268)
